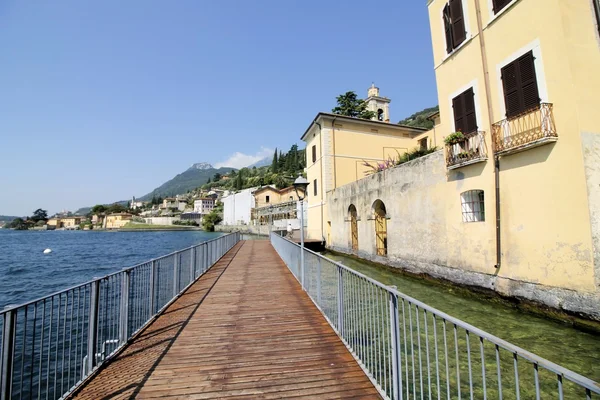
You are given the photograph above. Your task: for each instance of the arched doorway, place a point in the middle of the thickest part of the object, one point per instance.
(353, 226)
(380, 227)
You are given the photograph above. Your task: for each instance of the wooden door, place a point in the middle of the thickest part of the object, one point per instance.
(354, 230)
(381, 233)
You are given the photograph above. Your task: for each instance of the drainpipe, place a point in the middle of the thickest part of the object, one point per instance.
(320, 158)
(486, 80)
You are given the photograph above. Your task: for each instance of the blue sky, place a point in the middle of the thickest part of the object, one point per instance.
(103, 100)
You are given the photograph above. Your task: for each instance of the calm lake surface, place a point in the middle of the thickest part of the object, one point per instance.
(558, 342)
(26, 273)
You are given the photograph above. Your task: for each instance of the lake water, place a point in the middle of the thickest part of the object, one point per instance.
(26, 273)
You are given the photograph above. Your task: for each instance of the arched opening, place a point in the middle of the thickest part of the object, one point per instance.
(380, 227)
(353, 226)
(380, 114)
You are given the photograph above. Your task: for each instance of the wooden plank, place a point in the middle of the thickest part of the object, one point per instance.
(245, 330)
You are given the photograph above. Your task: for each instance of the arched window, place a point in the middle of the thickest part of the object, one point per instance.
(380, 115)
(380, 227)
(473, 206)
(353, 215)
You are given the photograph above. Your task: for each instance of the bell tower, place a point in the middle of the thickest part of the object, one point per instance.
(379, 105)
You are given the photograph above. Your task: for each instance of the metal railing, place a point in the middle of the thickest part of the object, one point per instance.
(413, 351)
(534, 126)
(466, 151)
(50, 345)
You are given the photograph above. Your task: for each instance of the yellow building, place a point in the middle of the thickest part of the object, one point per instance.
(54, 222)
(269, 195)
(117, 220)
(70, 222)
(513, 201)
(337, 148)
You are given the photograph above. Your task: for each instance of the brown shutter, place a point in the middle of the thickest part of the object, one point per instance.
(510, 85)
(520, 85)
(499, 5)
(459, 113)
(314, 153)
(465, 119)
(529, 87)
(448, 29)
(458, 22)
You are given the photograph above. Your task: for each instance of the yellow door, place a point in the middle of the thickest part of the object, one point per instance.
(354, 230)
(381, 234)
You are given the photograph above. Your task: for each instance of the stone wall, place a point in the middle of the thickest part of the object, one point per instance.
(425, 234)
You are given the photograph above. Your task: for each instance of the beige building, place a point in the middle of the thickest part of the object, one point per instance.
(269, 195)
(117, 220)
(204, 205)
(337, 148)
(513, 202)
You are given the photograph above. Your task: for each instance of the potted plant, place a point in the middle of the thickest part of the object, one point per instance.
(454, 138)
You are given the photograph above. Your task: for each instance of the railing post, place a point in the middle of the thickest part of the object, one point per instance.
(192, 264)
(395, 348)
(8, 346)
(340, 301)
(93, 325)
(152, 294)
(175, 275)
(123, 325)
(319, 281)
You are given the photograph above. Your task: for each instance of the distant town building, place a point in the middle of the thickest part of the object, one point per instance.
(204, 205)
(135, 204)
(117, 220)
(237, 207)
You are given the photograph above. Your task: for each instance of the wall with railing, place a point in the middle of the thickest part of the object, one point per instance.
(50, 345)
(411, 350)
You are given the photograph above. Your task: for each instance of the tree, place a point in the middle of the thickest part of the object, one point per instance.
(116, 208)
(99, 209)
(39, 215)
(213, 218)
(239, 182)
(208, 181)
(274, 164)
(18, 224)
(350, 105)
(217, 177)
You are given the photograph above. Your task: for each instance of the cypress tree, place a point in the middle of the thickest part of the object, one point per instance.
(275, 163)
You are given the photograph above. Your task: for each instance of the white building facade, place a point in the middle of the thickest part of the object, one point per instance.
(204, 205)
(237, 207)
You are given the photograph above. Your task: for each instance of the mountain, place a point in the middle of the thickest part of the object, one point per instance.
(262, 163)
(419, 119)
(7, 218)
(195, 176)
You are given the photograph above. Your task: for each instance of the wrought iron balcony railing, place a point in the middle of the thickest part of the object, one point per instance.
(467, 151)
(529, 129)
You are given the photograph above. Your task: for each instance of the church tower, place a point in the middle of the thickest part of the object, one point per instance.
(379, 105)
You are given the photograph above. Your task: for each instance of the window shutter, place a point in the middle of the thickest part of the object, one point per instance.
(465, 119)
(458, 22)
(498, 5)
(510, 84)
(469, 106)
(314, 153)
(520, 85)
(448, 29)
(459, 114)
(529, 87)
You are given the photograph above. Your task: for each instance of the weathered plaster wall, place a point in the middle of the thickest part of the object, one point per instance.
(426, 235)
(591, 158)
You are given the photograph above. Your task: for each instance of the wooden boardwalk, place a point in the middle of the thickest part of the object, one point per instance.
(245, 330)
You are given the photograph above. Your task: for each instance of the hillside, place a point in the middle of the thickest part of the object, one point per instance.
(419, 119)
(7, 218)
(195, 176)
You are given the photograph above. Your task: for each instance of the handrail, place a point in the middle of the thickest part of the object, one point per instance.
(50, 345)
(369, 314)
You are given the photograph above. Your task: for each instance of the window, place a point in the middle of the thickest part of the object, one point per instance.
(423, 144)
(315, 187)
(454, 24)
(291, 198)
(380, 115)
(473, 206)
(314, 153)
(266, 199)
(463, 105)
(498, 5)
(520, 86)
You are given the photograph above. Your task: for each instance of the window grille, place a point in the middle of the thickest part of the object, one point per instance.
(473, 206)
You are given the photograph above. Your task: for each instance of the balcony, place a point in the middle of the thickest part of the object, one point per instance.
(469, 150)
(532, 128)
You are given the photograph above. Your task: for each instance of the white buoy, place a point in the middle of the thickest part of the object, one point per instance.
(47, 251)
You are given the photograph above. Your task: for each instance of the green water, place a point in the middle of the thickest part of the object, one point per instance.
(558, 342)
